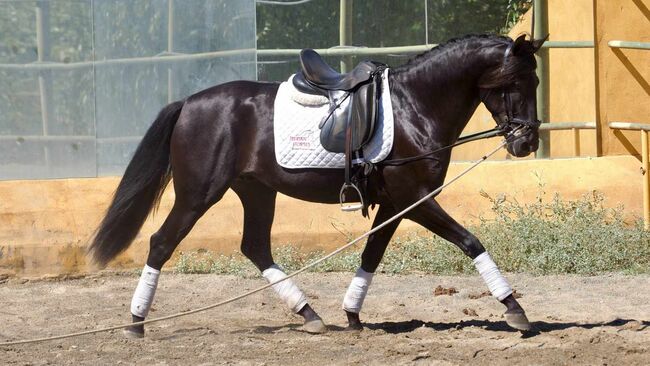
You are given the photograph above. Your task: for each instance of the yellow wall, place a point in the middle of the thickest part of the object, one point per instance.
(46, 224)
(623, 75)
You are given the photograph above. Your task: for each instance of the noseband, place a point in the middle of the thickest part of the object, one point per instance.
(512, 122)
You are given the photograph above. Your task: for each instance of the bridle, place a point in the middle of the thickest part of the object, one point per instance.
(513, 128)
(511, 121)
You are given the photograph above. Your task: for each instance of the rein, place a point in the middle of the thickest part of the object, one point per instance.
(497, 131)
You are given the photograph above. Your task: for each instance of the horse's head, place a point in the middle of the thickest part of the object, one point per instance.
(508, 90)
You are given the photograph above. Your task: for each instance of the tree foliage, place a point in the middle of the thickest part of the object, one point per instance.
(376, 23)
(379, 23)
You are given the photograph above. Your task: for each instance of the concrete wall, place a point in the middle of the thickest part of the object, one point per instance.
(623, 75)
(45, 225)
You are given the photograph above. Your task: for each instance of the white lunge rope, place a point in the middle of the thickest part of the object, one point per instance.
(303, 269)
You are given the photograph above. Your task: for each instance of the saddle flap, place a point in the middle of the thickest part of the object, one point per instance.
(364, 113)
(360, 113)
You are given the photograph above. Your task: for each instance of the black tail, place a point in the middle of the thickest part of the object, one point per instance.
(139, 190)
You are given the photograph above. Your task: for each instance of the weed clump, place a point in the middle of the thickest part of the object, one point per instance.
(544, 237)
(574, 236)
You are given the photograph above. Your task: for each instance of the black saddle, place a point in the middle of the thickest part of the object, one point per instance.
(354, 100)
(320, 74)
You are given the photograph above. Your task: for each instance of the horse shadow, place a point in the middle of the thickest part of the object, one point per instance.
(408, 326)
(537, 327)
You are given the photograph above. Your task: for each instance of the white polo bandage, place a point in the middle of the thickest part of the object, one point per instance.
(495, 282)
(287, 289)
(144, 292)
(353, 300)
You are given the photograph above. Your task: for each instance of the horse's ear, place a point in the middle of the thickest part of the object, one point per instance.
(520, 44)
(537, 43)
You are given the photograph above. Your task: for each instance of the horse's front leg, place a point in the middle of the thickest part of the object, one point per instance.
(430, 215)
(370, 258)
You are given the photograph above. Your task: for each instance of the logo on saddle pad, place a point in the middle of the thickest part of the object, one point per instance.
(302, 140)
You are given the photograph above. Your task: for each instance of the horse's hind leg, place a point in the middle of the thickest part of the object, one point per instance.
(178, 224)
(193, 198)
(259, 206)
(430, 215)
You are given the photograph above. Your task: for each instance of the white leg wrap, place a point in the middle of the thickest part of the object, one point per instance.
(287, 289)
(497, 285)
(143, 295)
(353, 300)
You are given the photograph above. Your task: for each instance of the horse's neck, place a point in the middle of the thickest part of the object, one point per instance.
(443, 91)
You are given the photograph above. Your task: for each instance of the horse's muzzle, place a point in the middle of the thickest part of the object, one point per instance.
(523, 145)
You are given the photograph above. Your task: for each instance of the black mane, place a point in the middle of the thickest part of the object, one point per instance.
(495, 77)
(436, 50)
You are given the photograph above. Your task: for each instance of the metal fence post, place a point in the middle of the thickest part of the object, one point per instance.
(646, 179)
(644, 128)
(541, 30)
(170, 49)
(576, 142)
(44, 76)
(345, 32)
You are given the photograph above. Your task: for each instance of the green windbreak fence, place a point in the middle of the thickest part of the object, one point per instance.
(81, 80)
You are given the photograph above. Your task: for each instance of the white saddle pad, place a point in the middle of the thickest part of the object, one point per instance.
(297, 136)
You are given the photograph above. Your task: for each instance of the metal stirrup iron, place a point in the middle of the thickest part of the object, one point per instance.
(350, 206)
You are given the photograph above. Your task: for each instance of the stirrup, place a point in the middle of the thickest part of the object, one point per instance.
(350, 206)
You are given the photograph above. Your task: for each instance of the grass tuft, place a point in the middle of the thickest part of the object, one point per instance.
(544, 237)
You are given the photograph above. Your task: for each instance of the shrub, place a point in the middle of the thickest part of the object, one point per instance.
(544, 237)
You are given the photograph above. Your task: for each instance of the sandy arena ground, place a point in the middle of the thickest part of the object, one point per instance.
(600, 320)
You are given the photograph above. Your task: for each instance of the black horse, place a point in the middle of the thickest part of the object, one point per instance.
(222, 137)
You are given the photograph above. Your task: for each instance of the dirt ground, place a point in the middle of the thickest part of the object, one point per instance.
(600, 320)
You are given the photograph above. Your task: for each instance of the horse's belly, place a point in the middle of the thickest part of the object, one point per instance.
(315, 185)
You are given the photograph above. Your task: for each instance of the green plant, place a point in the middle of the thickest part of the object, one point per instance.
(553, 236)
(514, 11)
(564, 236)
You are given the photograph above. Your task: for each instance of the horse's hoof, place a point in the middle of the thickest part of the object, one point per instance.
(518, 321)
(132, 333)
(315, 326)
(357, 327)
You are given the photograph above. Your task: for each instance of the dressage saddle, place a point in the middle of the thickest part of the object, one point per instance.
(350, 123)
